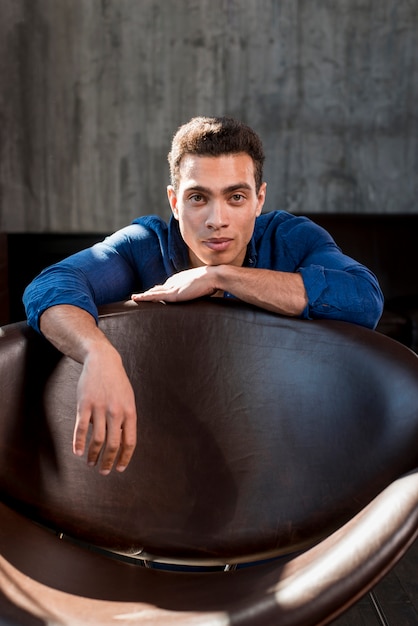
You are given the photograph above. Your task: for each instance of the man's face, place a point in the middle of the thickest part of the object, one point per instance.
(216, 204)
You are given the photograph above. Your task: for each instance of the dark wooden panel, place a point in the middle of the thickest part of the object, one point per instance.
(361, 614)
(407, 571)
(396, 596)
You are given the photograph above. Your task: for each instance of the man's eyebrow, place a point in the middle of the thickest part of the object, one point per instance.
(198, 188)
(236, 187)
(224, 191)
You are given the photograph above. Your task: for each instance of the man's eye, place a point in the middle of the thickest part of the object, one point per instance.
(237, 197)
(196, 197)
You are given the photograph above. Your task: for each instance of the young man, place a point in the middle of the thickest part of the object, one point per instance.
(216, 243)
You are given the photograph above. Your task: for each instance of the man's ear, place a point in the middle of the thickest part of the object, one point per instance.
(261, 197)
(172, 198)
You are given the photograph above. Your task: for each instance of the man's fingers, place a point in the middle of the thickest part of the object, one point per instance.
(128, 443)
(97, 438)
(81, 430)
(111, 437)
(156, 293)
(109, 455)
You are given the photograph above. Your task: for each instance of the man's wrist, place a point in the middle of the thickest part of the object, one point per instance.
(218, 275)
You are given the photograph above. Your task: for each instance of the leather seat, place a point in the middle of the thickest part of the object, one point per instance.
(284, 444)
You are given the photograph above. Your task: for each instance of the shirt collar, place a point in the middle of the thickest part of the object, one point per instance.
(177, 249)
(251, 256)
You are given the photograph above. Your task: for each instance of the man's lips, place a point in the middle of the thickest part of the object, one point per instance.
(219, 244)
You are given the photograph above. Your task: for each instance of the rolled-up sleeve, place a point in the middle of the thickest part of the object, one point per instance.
(351, 294)
(86, 280)
(46, 290)
(337, 286)
(98, 275)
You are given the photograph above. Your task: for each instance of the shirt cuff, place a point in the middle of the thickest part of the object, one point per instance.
(315, 284)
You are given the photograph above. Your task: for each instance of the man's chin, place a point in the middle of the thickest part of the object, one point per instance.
(209, 260)
(216, 258)
(227, 259)
(217, 261)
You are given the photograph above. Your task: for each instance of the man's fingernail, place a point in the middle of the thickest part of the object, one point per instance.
(105, 472)
(121, 468)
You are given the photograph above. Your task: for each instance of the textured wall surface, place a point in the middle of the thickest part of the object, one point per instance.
(92, 91)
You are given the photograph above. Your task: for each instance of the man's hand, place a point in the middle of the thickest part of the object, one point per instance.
(186, 285)
(106, 400)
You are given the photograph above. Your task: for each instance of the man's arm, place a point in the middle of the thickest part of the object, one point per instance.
(104, 394)
(352, 294)
(280, 292)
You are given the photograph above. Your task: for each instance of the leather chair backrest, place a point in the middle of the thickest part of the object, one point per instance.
(257, 434)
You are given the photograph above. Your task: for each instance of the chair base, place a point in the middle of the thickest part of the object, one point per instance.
(46, 580)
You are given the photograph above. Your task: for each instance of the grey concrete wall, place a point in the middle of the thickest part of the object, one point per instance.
(91, 92)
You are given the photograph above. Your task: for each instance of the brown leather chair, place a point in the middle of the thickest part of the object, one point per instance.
(288, 443)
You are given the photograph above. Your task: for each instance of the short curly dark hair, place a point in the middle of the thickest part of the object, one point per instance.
(215, 136)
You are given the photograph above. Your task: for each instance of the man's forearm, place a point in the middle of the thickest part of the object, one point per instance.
(72, 330)
(280, 292)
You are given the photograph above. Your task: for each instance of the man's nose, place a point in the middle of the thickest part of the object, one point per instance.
(217, 216)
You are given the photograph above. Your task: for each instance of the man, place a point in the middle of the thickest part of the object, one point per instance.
(217, 243)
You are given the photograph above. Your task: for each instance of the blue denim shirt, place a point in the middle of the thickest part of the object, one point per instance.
(148, 251)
